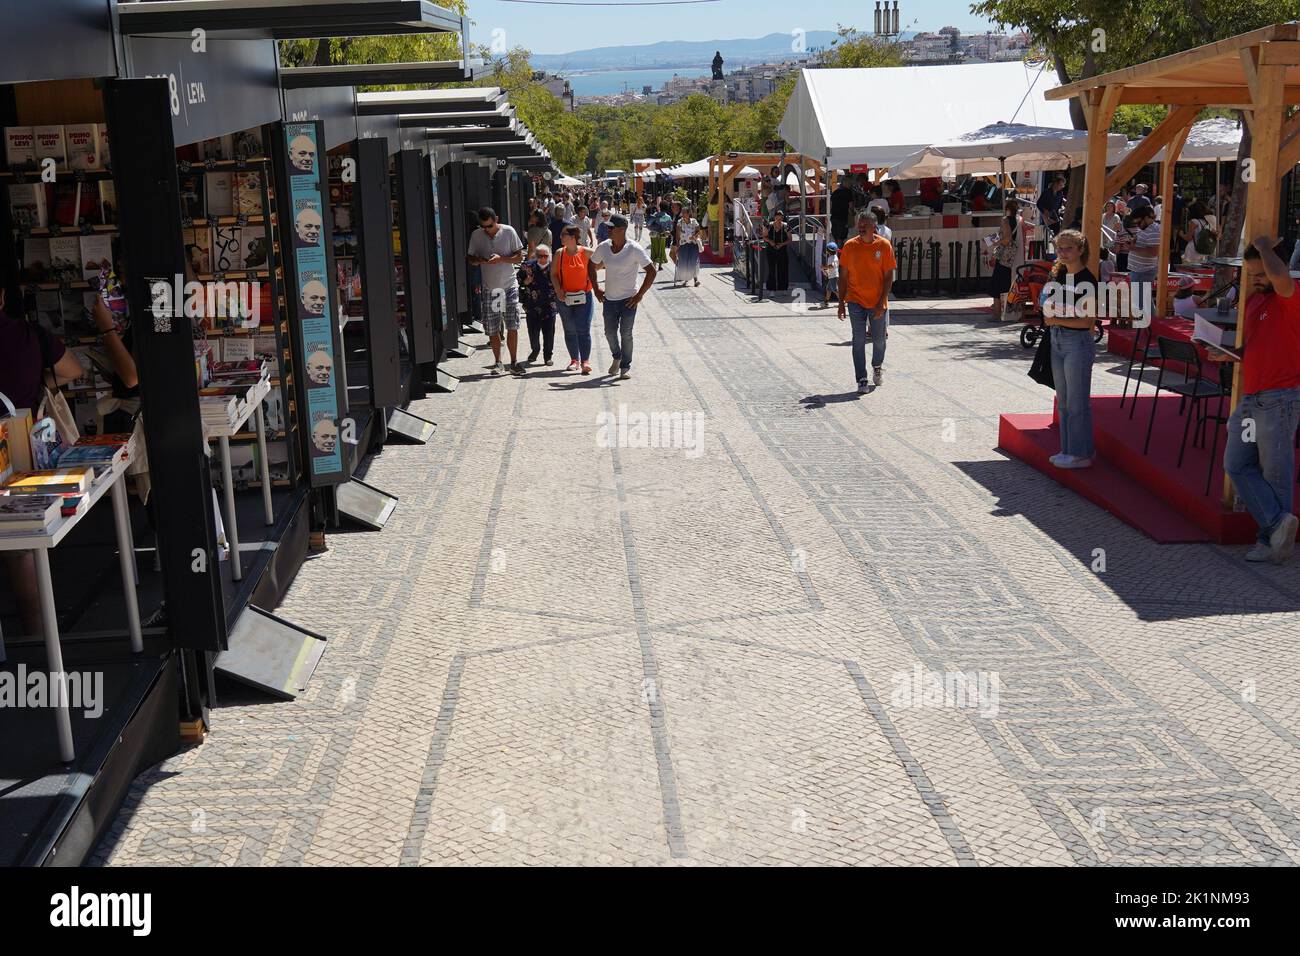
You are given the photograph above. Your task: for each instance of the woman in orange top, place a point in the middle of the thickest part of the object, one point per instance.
(574, 299)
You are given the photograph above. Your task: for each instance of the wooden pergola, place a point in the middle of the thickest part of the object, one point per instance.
(1256, 72)
(725, 167)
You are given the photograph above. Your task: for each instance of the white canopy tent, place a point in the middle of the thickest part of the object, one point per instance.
(700, 170)
(1004, 146)
(569, 181)
(878, 117)
(1211, 140)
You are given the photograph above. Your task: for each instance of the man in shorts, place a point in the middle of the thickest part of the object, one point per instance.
(496, 249)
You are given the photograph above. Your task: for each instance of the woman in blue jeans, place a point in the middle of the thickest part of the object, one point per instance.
(1069, 309)
(574, 299)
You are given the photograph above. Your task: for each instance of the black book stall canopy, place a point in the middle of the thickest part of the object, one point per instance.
(379, 74)
(286, 19)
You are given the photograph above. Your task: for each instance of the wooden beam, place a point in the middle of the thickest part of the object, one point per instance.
(1099, 110)
(1177, 62)
(1263, 195)
(1180, 117)
(1279, 53)
(1167, 224)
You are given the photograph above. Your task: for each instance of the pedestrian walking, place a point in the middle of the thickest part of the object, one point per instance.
(1008, 255)
(1260, 454)
(660, 224)
(866, 277)
(573, 299)
(586, 228)
(688, 249)
(623, 261)
(537, 293)
(638, 219)
(538, 232)
(496, 249)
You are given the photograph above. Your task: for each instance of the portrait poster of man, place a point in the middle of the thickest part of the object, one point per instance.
(303, 154)
(320, 364)
(307, 222)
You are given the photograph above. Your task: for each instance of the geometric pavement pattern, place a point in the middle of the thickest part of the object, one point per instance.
(563, 652)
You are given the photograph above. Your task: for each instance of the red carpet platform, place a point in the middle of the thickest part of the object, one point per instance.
(1148, 491)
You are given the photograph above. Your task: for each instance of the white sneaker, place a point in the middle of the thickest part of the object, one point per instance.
(625, 374)
(1282, 540)
(1058, 458)
(1074, 461)
(498, 368)
(1263, 551)
(613, 367)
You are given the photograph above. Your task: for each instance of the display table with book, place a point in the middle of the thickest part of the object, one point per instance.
(56, 528)
(223, 417)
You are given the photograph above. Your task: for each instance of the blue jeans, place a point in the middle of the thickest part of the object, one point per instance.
(1295, 257)
(576, 320)
(1073, 351)
(866, 321)
(619, 318)
(1263, 470)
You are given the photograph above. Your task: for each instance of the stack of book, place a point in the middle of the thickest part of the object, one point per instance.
(218, 411)
(24, 514)
(69, 485)
(92, 450)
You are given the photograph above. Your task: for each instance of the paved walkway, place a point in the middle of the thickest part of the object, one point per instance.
(564, 652)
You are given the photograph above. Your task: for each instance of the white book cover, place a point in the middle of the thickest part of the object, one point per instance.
(237, 348)
(20, 146)
(218, 186)
(83, 145)
(105, 161)
(265, 347)
(226, 254)
(96, 254)
(28, 205)
(107, 202)
(51, 144)
(36, 259)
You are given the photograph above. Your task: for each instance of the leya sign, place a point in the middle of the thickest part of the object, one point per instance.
(215, 86)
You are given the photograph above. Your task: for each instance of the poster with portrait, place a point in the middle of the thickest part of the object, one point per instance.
(319, 378)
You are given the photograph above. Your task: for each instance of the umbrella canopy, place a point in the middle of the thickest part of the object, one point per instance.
(1021, 147)
(569, 181)
(1213, 139)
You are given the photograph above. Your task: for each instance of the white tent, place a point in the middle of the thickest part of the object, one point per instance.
(569, 181)
(1211, 140)
(877, 117)
(700, 169)
(1019, 146)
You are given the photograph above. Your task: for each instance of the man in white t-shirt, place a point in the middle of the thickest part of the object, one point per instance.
(622, 260)
(586, 228)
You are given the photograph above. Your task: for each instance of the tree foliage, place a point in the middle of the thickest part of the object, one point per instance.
(853, 50)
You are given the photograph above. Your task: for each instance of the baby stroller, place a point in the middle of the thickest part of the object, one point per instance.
(1023, 302)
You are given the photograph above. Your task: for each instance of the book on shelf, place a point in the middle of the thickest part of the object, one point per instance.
(49, 309)
(83, 145)
(90, 455)
(107, 202)
(265, 347)
(218, 148)
(247, 144)
(217, 189)
(96, 255)
(28, 205)
(74, 203)
(28, 513)
(252, 248)
(51, 144)
(50, 481)
(198, 248)
(36, 260)
(236, 350)
(239, 370)
(247, 192)
(225, 249)
(191, 191)
(65, 258)
(77, 320)
(20, 147)
(105, 160)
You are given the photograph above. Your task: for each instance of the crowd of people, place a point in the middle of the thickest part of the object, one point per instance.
(556, 269)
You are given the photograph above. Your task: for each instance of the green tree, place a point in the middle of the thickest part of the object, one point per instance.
(853, 50)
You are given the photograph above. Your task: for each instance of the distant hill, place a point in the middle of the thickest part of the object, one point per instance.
(680, 53)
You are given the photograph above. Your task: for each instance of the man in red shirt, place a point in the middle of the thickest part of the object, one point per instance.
(866, 277)
(1260, 455)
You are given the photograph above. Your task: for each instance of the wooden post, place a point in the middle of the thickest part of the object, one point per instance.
(1099, 108)
(1266, 94)
(1167, 223)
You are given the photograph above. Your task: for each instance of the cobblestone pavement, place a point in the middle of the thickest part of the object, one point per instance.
(576, 645)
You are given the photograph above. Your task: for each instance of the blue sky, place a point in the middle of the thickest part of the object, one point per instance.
(560, 29)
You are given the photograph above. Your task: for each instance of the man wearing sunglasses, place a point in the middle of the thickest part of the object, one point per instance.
(496, 249)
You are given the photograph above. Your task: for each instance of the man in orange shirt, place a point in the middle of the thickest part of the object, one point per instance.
(866, 276)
